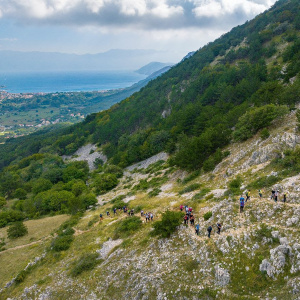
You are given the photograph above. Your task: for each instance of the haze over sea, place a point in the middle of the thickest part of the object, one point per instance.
(51, 82)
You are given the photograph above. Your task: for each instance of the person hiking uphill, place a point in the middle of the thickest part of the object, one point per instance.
(209, 229)
(273, 194)
(186, 219)
(260, 194)
(197, 228)
(284, 197)
(242, 203)
(192, 220)
(248, 195)
(101, 217)
(276, 196)
(219, 226)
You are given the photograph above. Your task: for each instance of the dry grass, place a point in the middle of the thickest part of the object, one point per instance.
(37, 229)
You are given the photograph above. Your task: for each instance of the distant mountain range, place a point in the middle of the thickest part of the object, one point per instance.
(153, 67)
(116, 59)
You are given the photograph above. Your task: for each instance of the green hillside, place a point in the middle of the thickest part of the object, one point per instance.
(222, 122)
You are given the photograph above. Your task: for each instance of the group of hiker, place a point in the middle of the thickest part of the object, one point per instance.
(274, 196)
(190, 218)
(148, 215)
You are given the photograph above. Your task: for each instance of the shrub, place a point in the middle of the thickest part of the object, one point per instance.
(264, 231)
(191, 177)
(61, 243)
(20, 194)
(190, 188)
(191, 264)
(88, 200)
(265, 181)
(264, 134)
(257, 118)
(2, 202)
(105, 182)
(85, 263)
(235, 185)
(16, 230)
(170, 221)
(154, 192)
(112, 169)
(207, 215)
(201, 194)
(128, 226)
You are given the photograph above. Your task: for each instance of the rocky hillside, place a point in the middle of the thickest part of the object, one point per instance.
(256, 256)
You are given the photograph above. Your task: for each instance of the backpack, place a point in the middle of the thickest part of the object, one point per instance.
(209, 228)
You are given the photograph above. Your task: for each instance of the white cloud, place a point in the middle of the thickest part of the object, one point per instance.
(216, 8)
(142, 14)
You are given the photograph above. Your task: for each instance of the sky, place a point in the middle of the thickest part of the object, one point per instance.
(174, 27)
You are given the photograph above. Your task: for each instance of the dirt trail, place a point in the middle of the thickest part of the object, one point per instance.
(26, 245)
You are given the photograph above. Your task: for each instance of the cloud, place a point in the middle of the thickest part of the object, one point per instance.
(137, 14)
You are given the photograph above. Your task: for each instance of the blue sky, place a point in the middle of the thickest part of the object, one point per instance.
(173, 27)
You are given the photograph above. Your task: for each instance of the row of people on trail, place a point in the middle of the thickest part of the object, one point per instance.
(186, 208)
(147, 215)
(275, 195)
(209, 229)
(189, 217)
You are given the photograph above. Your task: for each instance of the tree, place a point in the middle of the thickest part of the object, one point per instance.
(2, 202)
(16, 230)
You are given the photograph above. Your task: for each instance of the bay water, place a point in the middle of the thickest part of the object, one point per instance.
(81, 81)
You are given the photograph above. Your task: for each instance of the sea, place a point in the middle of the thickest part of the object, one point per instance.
(73, 81)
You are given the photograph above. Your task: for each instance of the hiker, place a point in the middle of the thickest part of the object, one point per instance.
(147, 217)
(248, 195)
(186, 219)
(192, 219)
(142, 213)
(181, 207)
(260, 194)
(186, 209)
(115, 211)
(101, 217)
(276, 196)
(107, 213)
(151, 216)
(242, 203)
(284, 197)
(219, 226)
(209, 229)
(273, 194)
(197, 228)
(190, 209)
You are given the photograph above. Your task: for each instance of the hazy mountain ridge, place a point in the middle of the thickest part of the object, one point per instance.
(117, 59)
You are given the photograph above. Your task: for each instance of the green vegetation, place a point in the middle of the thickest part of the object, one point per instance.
(128, 226)
(207, 215)
(85, 263)
(16, 230)
(190, 188)
(257, 118)
(168, 224)
(235, 184)
(265, 181)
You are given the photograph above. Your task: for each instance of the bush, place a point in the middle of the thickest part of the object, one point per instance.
(61, 243)
(2, 202)
(207, 215)
(88, 200)
(85, 263)
(170, 221)
(191, 177)
(264, 134)
(263, 232)
(235, 185)
(128, 226)
(112, 169)
(263, 182)
(190, 188)
(16, 230)
(20, 194)
(257, 118)
(105, 182)
(154, 192)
